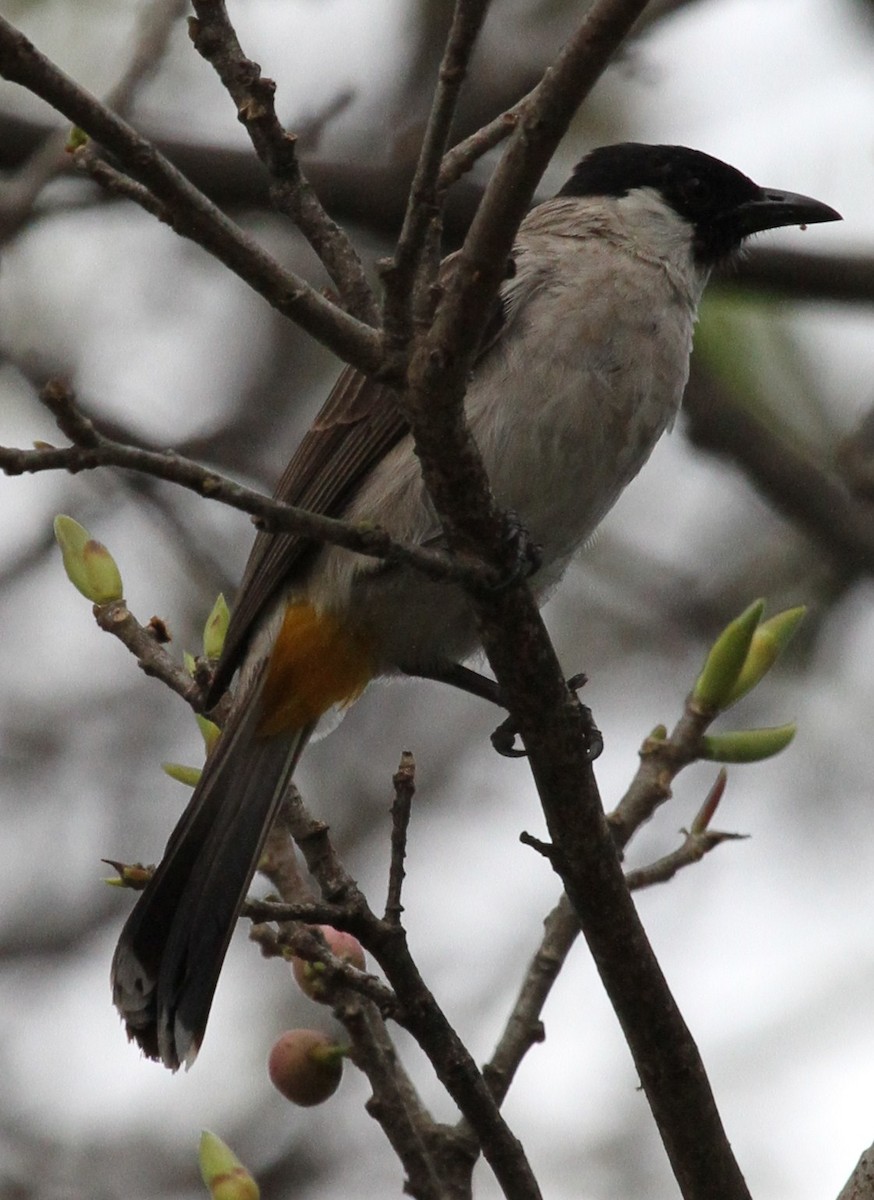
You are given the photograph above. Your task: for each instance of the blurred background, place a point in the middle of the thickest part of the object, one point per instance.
(769, 943)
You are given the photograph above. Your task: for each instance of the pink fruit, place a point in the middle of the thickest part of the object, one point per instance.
(309, 974)
(305, 1066)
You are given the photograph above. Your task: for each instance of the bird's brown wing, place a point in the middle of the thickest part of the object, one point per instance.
(358, 424)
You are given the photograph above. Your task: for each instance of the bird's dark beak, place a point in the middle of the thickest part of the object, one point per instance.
(772, 209)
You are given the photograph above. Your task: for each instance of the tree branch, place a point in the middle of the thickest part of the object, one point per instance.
(411, 1132)
(524, 1028)
(188, 211)
(860, 1185)
(144, 642)
(561, 929)
(360, 1002)
(216, 40)
(49, 159)
(419, 1014)
(804, 491)
(548, 718)
(402, 279)
(374, 195)
(95, 450)
(806, 275)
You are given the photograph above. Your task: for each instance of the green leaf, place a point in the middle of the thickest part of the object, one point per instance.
(190, 776)
(209, 731)
(725, 661)
(747, 745)
(768, 643)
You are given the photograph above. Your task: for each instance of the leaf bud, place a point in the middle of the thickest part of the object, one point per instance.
(89, 565)
(209, 731)
(768, 643)
(215, 628)
(726, 659)
(747, 745)
(182, 774)
(222, 1171)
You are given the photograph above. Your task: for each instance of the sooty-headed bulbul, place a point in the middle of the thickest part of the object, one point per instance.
(582, 368)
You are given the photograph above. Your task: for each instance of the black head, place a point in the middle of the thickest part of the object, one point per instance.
(722, 205)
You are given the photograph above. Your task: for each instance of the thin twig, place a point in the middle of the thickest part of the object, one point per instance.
(87, 160)
(150, 42)
(102, 451)
(216, 40)
(693, 849)
(189, 212)
(404, 783)
(524, 1027)
(117, 619)
(519, 651)
(419, 1013)
(361, 1002)
(699, 840)
(463, 156)
(402, 279)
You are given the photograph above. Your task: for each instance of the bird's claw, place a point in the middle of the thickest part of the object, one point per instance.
(504, 737)
(527, 555)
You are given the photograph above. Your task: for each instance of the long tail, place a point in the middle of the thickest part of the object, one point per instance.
(167, 962)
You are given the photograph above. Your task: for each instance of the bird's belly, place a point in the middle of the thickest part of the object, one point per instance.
(561, 434)
(560, 452)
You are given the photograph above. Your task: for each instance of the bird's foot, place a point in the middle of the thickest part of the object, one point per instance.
(504, 736)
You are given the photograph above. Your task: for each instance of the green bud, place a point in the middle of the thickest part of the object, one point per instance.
(747, 745)
(768, 643)
(726, 659)
(75, 139)
(182, 774)
(222, 1171)
(189, 662)
(130, 875)
(209, 731)
(89, 565)
(215, 628)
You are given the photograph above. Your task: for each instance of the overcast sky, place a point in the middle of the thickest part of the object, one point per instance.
(768, 944)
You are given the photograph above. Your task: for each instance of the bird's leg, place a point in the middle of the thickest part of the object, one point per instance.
(463, 678)
(528, 554)
(504, 737)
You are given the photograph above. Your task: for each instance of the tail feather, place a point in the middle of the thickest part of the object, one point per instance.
(167, 962)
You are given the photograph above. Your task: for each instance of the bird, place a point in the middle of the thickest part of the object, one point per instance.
(581, 368)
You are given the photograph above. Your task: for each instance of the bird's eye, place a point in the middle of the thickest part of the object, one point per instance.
(697, 192)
